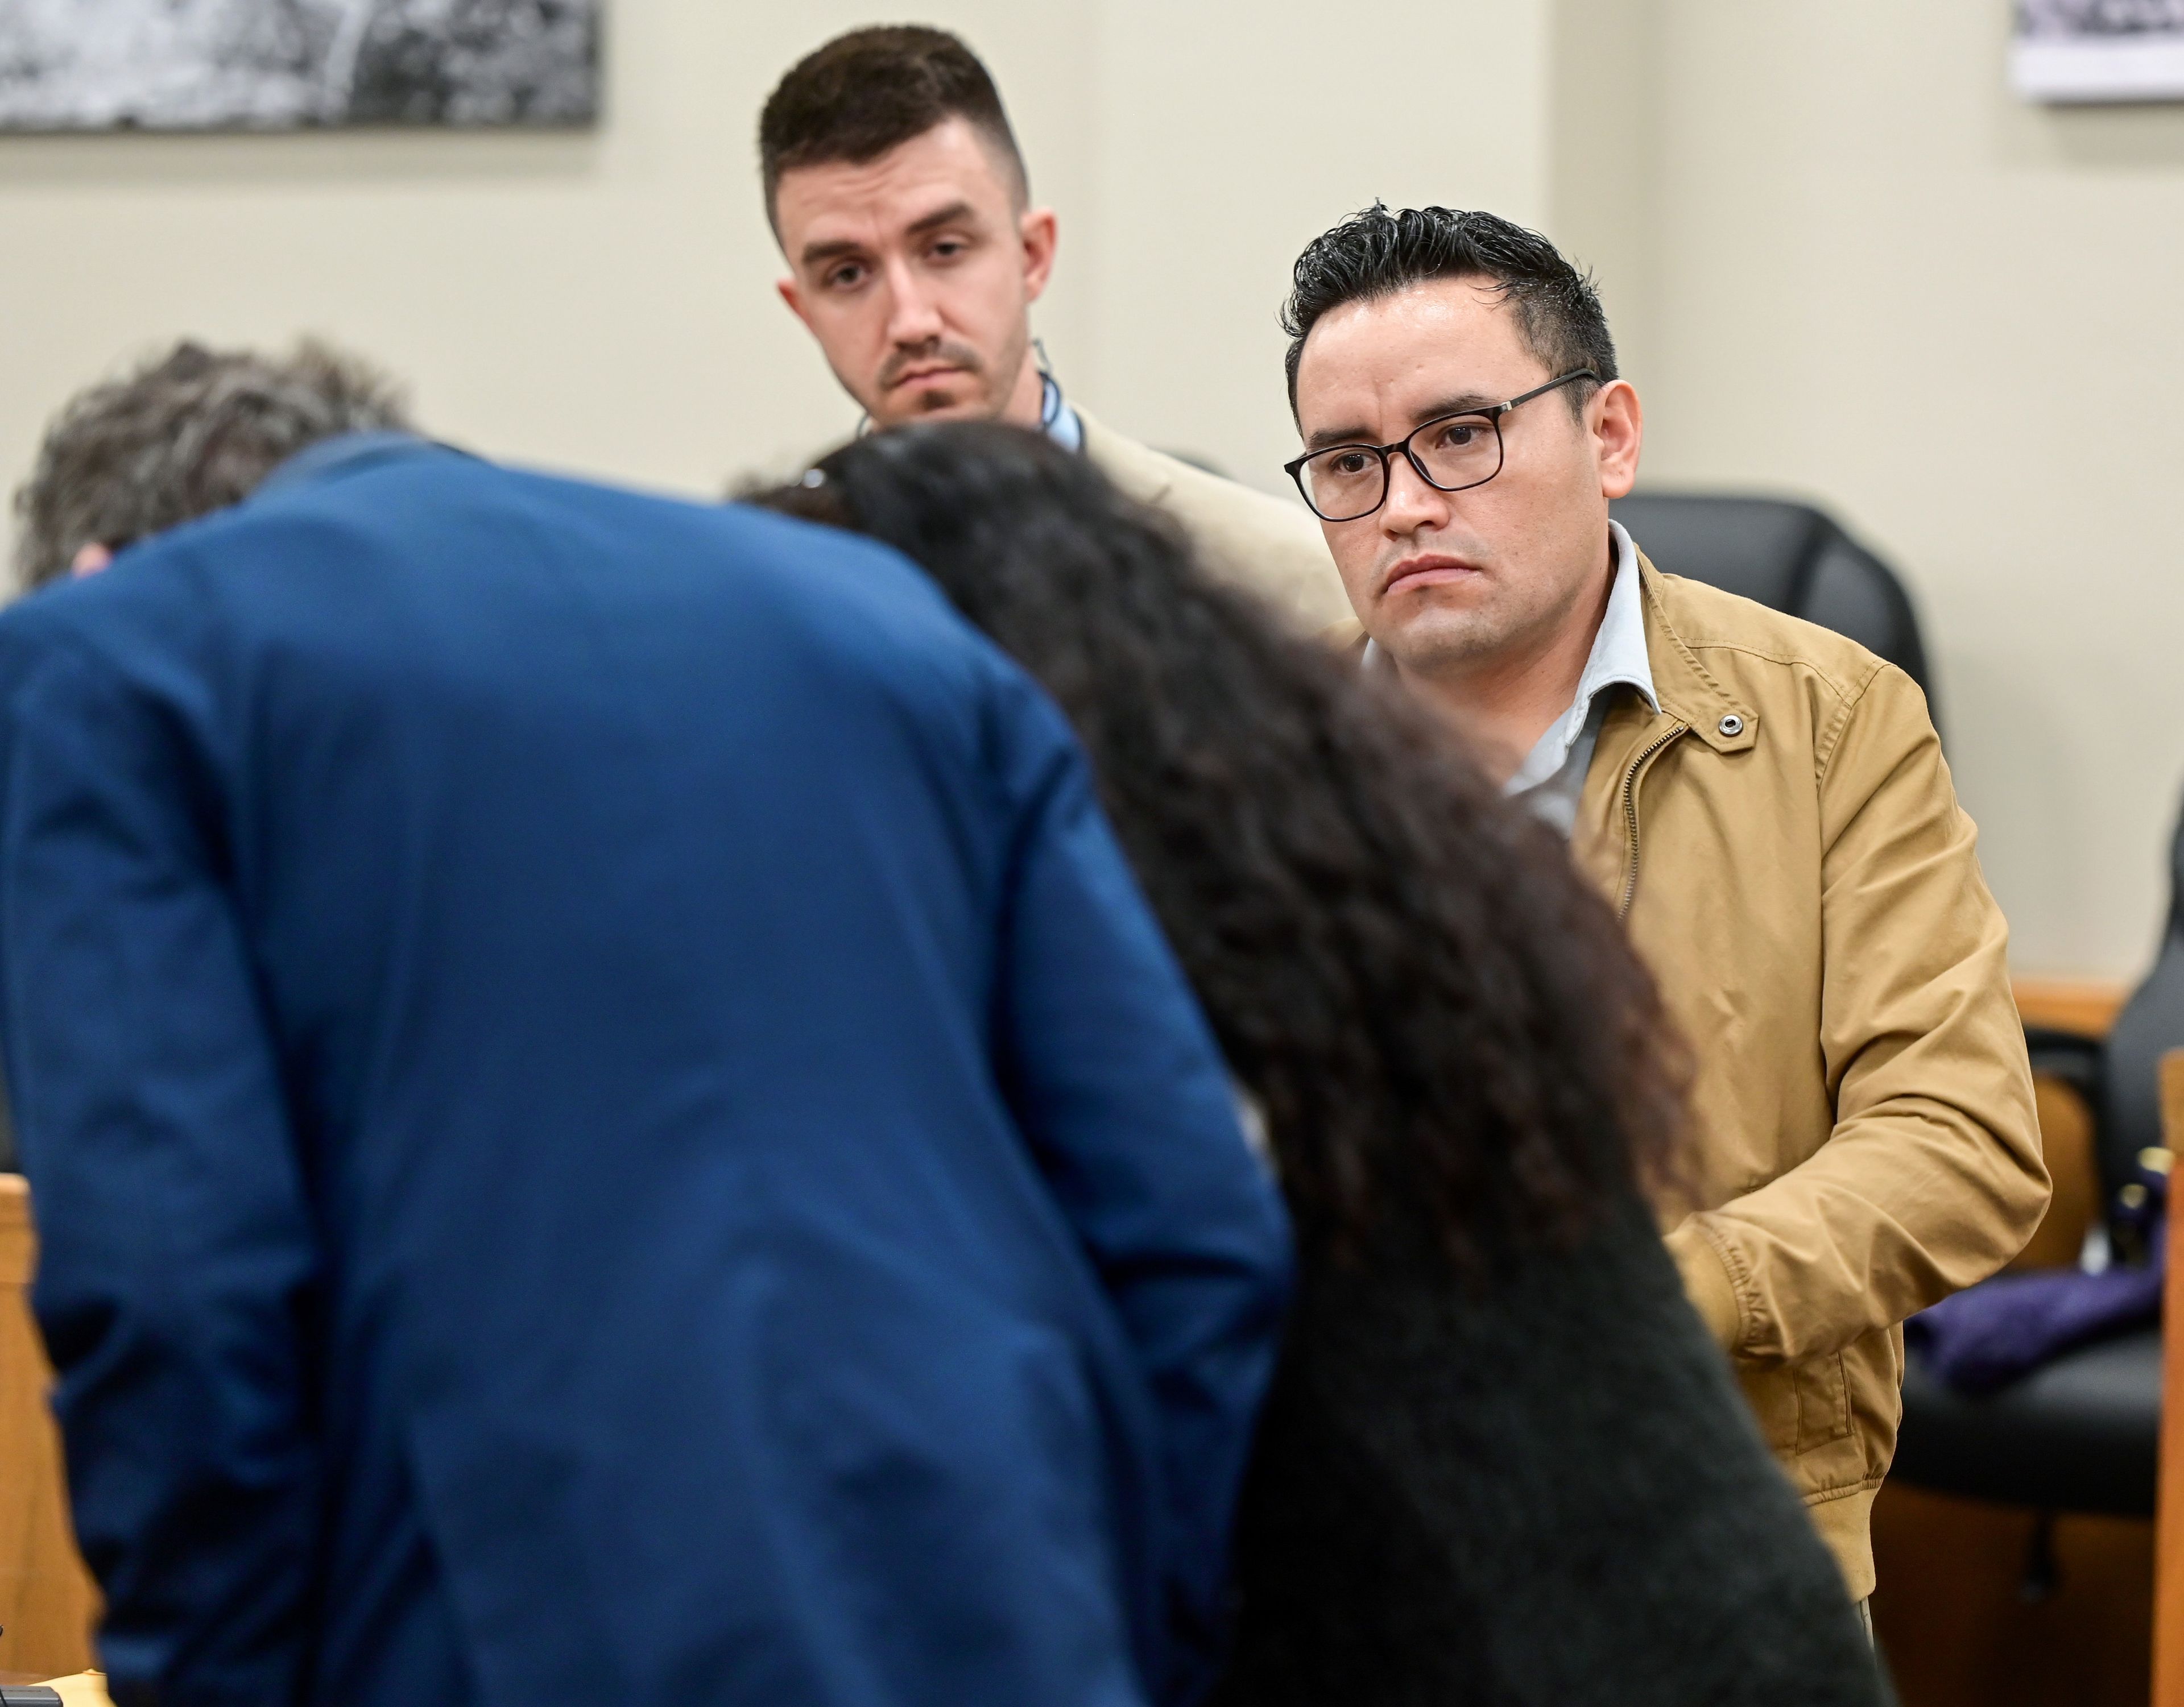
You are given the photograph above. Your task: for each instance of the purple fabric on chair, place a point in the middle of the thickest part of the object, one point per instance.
(1987, 1336)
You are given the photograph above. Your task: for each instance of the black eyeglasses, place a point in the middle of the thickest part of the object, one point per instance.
(1346, 482)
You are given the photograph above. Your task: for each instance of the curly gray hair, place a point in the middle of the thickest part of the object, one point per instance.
(186, 433)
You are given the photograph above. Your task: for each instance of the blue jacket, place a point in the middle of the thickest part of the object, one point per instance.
(607, 1122)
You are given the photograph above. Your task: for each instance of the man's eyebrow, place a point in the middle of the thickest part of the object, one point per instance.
(944, 216)
(816, 252)
(813, 254)
(1334, 436)
(1463, 402)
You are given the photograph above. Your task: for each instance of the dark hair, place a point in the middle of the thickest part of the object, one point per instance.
(186, 433)
(1376, 254)
(873, 89)
(1432, 1012)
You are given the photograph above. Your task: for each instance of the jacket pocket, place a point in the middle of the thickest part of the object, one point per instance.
(1823, 1391)
(1801, 1407)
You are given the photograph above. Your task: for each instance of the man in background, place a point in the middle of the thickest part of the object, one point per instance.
(608, 1122)
(1765, 802)
(900, 200)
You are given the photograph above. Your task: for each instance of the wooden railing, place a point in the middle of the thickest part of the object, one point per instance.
(2169, 1525)
(46, 1601)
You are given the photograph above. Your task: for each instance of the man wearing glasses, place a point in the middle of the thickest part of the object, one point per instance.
(1765, 802)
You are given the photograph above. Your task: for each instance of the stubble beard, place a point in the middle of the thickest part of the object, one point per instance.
(989, 388)
(968, 393)
(1452, 643)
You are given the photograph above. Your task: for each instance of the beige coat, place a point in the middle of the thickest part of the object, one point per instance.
(1787, 850)
(1269, 545)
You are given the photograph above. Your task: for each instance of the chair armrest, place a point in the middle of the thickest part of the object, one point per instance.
(2071, 1056)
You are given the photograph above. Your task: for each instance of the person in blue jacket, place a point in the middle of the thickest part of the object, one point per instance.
(607, 1122)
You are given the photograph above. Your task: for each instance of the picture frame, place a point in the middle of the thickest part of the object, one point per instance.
(174, 65)
(2067, 52)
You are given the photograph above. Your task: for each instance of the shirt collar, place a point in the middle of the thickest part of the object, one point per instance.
(346, 451)
(1056, 418)
(1619, 650)
(1617, 658)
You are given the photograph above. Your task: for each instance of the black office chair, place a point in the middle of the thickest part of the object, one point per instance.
(1790, 557)
(2083, 1433)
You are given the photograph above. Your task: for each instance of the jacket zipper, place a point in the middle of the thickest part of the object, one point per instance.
(1631, 813)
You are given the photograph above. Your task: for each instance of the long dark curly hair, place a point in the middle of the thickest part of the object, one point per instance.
(1437, 1021)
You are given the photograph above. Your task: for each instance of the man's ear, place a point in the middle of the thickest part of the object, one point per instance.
(1040, 231)
(90, 558)
(1618, 423)
(793, 294)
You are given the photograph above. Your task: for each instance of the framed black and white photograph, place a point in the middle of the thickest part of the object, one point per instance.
(289, 65)
(2098, 50)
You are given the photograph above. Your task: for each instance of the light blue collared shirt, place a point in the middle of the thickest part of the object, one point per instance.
(1551, 779)
(1056, 418)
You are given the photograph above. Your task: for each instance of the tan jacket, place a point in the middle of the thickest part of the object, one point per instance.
(1787, 850)
(1263, 544)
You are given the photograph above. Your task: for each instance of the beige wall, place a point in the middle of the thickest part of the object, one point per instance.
(1840, 260)
(1856, 268)
(600, 301)
(1224, 150)
(605, 302)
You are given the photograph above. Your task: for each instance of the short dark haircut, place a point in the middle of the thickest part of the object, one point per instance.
(1377, 253)
(187, 433)
(873, 89)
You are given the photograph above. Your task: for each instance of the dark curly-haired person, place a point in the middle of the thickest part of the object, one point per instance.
(1501, 1462)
